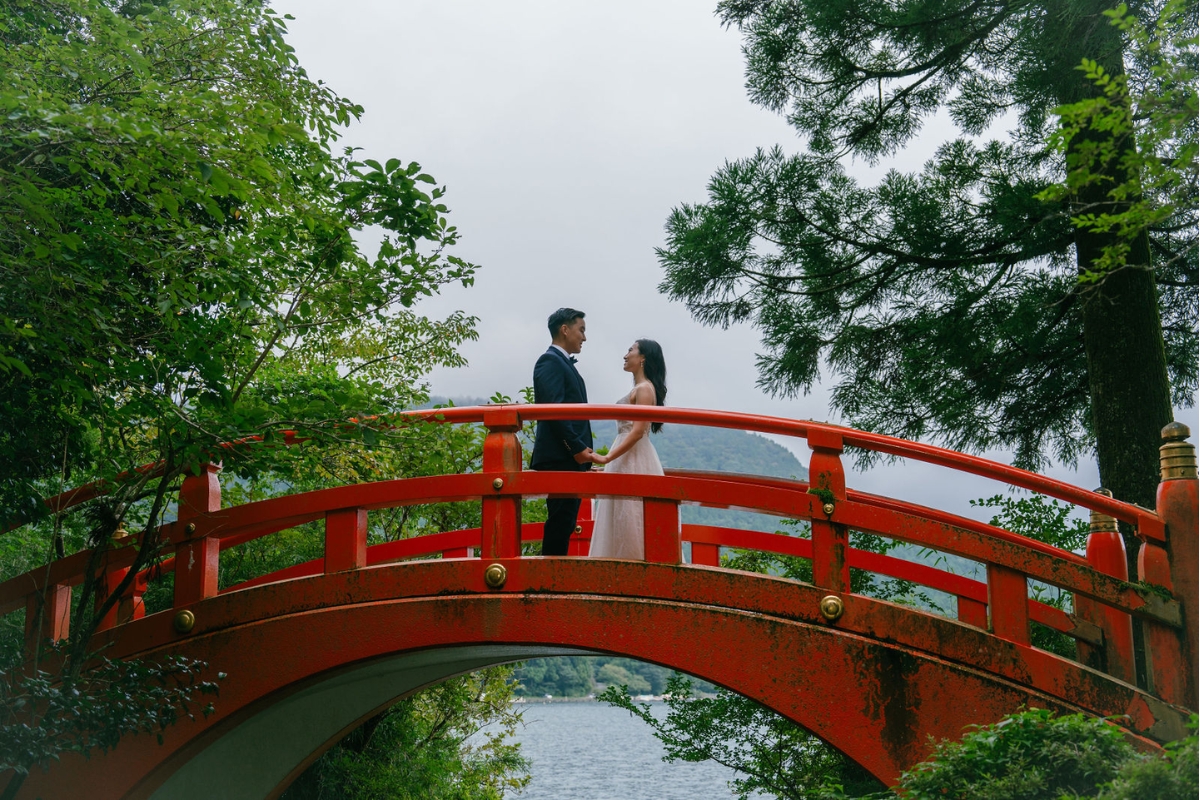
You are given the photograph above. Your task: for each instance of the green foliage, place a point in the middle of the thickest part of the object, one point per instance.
(1039, 518)
(42, 716)
(769, 753)
(1147, 163)
(420, 749)
(1034, 755)
(579, 676)
(178, 244)
(1174, 776)
(569, 676)
(944, 298)
(614, 674)
(178, 238)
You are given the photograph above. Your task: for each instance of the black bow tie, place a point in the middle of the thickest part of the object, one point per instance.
(572, 359)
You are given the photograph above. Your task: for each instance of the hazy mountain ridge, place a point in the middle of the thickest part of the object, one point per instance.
(695, 447)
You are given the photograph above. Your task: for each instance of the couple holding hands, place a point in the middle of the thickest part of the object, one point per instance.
(566, 445)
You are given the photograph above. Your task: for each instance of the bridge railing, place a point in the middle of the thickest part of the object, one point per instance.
(1105, 601)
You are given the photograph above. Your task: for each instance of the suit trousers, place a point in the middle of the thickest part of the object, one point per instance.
(562, 514)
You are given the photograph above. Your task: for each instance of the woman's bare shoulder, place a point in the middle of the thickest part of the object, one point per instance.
(643, 394)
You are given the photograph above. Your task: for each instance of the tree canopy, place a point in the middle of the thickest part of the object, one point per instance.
(180, 244)
(947, 299)
(185, 279)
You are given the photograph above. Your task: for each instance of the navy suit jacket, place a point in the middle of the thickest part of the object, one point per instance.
(555, 380)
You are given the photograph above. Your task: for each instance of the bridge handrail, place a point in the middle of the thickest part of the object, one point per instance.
(1147, 523)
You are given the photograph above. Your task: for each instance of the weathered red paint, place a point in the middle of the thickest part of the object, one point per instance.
(196, 554)
(661, 522)
(345, 539)
(1179, 506)
(898, 675)
(831, 568)
(872, 684)
(1008, 599)
(1114, 655)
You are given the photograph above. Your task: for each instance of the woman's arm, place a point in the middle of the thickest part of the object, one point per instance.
(643, 395)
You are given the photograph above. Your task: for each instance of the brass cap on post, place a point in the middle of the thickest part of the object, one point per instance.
(831, 607)
(495, 576)
(1101, 522)
(184, 621)
(1177, 457)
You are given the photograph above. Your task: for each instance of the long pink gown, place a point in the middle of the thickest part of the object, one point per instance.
(617, 532)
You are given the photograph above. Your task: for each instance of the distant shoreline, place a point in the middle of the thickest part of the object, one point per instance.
(639, 698)
(548, 700)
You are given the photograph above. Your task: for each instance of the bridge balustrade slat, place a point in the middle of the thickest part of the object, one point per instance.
(661, 531)
(48, 615)
(1008, 602)
(973, 612)
(345, 539)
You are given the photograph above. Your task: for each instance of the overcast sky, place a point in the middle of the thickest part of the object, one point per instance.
(565, 132)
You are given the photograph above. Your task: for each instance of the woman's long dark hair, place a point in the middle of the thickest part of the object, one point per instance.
(655, 369)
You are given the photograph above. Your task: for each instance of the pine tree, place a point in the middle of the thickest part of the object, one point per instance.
(949, 300)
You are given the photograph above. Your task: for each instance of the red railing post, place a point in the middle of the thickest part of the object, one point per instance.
(827, 479)
(132, 606)
(47, 616)
(1008, 602)
(197, 560)
(1171, 654)
(106, 584)
(501, 536)
(660, 520)
(345, 539)
(1106, 553)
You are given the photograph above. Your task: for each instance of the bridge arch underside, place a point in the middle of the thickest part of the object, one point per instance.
(308, 659)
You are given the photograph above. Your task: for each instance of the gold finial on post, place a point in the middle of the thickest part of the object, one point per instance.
(1101, 522)
(1177, 456)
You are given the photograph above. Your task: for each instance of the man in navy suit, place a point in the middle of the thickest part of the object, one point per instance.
(561, 445)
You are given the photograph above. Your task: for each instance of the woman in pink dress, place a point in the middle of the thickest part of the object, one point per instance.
(617, 532)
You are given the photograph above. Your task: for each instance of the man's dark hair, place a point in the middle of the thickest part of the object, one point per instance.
(564, 316)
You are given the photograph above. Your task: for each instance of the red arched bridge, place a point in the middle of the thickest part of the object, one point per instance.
(312, 651)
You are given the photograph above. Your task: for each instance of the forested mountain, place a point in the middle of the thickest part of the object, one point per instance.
(723, 450)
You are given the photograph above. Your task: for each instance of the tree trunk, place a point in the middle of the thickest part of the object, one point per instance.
(1126, 359)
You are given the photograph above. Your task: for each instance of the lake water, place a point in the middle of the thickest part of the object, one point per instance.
(592, 751)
